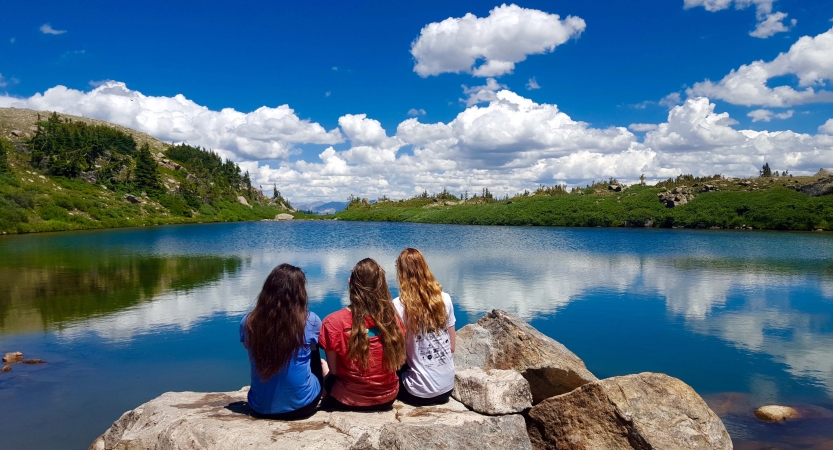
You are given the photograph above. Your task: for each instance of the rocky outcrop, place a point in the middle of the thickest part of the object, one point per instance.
(823, 186)
(133, 199)
(644, 411)
(284, 216)
(191, 420)
(500, 340)
(504, 366)
(243, 201)
(680, 195)
(492, 391)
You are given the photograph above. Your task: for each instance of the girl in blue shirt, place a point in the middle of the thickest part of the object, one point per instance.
(281, 336)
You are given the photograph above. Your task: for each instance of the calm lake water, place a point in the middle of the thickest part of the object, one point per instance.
(122, 316)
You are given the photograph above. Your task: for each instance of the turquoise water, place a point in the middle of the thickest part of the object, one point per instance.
(122, 316)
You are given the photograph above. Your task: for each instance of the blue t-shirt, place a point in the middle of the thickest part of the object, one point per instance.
(294, 386)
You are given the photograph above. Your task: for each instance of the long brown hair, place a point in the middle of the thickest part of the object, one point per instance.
(276, 325)
(420, 294)
(369, 294)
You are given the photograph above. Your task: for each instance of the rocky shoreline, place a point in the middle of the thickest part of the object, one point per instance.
(515, 388)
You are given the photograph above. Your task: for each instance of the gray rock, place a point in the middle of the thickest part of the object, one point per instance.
(89, 177)
(17, 133)
(644, 411)
(492, 391)
(823, 186)
(614, 187)
(191, 177)
(822, 173)
(132, 199)
(243, 201)
(284, 216)
(500, 340)
(193, 420)
(677, 197)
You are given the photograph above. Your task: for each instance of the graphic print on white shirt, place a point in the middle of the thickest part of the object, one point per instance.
(433, 349)
(429, 357)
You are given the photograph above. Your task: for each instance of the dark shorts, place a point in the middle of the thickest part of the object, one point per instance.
(307, 410)
(411, 399)
(331, 404)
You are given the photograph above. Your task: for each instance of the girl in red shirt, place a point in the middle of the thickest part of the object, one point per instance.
(364, 344)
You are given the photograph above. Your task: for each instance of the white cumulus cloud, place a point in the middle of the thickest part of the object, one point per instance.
(810, 59)
(47, 29)
(266, 133)
(641, 127)
(482, 94)
(532, 84)
(490, 46)
(416, 112)
(507, 144)
(765, 115)
(769, 23)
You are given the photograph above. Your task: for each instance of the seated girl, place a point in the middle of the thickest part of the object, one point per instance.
(364, 344)
(281, 337)
(428, 315)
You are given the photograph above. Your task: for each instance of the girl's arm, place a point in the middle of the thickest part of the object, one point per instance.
(332, 361)
(453, 338)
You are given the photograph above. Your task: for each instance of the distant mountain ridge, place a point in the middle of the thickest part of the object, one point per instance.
(322, 207)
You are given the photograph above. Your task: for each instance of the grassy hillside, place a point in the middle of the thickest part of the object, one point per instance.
(760, 203)
(70, 173)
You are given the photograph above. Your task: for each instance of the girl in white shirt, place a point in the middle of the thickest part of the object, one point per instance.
(428, 375)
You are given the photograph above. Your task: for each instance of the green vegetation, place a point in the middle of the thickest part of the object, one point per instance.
(754, 203)
(47, 289)
(73, 175)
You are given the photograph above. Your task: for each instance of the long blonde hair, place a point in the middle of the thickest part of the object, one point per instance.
(420, 294)
(369, 294)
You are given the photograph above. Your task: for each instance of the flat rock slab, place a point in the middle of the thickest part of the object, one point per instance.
(193, 420)
(500, 340)
(492, 391)
(643, 411)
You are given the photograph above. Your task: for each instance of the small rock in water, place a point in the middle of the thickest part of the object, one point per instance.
(6, 368)
(34, 361)
(13, 357)
(775, 413)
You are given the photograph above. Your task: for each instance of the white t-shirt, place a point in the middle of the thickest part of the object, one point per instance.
(429, 356)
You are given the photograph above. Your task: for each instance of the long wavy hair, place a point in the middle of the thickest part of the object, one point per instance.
(276, 325)
(369, 294)
(420, 294)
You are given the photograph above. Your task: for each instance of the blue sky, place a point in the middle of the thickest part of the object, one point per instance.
(327, 60)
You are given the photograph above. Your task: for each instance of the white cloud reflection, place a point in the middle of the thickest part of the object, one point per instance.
(530, 284)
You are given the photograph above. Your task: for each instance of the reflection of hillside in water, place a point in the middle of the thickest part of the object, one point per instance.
(50, 291)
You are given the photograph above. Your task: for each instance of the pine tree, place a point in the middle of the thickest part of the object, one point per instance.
(247, 183)
(766, 172)
(147, 174)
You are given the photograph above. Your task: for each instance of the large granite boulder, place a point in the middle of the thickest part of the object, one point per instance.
(500, 340)
(643, 411)
(492, 391)
(818, 188)
(193, 420)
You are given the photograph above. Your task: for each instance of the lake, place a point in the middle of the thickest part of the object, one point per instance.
(121, 316)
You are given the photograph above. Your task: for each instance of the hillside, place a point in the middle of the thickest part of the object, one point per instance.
(775, 203)
(68, 173)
